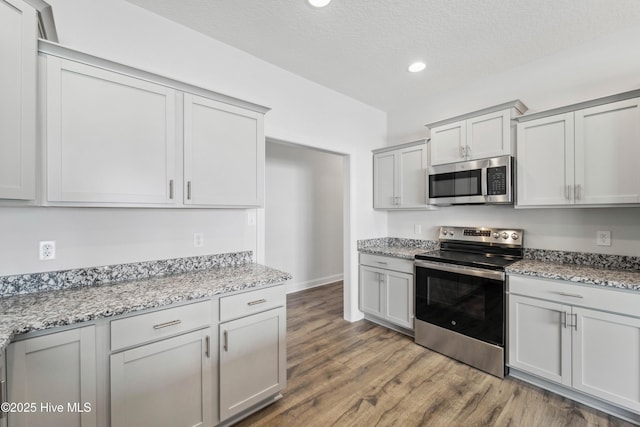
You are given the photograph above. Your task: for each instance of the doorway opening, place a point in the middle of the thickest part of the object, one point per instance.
(304, 215)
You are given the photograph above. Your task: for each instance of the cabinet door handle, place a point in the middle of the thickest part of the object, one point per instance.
(171, 189)
(467, 151)
(567, 193)
(225, 345)
(575, 323)
(564, 322)
(462, 151)
(256, 302)
(578, 191)
(207, 346)
(167, 324)
(566, 294)
(188, 190)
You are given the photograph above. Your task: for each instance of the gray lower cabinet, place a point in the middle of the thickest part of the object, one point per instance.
(252, 352)
(386, 289)
(163, 384)
(194, 365)
(56, 375)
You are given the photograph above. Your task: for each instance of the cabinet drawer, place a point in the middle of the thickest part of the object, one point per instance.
(599, 297)
(159, 324)
(389, 263)
(247, 303)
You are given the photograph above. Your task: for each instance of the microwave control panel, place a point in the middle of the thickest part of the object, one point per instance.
(497, 181)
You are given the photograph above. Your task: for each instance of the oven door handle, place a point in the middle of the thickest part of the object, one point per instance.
(461, 269)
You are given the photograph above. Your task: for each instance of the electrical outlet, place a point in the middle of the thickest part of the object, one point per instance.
(603, 238)
(417, 228)
(198, 240)
(251, 218)
(47, 250)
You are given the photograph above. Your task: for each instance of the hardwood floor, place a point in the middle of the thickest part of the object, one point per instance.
(361, 374)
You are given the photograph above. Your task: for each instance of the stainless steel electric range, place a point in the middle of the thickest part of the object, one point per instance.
(461, 297)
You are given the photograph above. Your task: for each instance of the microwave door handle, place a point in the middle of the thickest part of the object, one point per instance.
(483, 182)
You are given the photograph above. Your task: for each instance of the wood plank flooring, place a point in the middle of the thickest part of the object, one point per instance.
(361, 374)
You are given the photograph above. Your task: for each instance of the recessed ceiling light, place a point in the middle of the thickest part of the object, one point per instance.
(416, 67)
(319, 3)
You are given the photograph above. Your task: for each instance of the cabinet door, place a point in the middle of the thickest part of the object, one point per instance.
(372, 291)
(384, 180)
(110, 138)
(539, 339)
(607, 150)
(18, 54)
(489, 135)
(167, 383)
(545, 161)
(413, 176)
(3, 390)
(606, 356)
(59, 369)
(448, 143)
(399, 298)
(224, 154)
(252, 360)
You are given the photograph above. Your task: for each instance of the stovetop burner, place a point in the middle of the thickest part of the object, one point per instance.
(489, 248)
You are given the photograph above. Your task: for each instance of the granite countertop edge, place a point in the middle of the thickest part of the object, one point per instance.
(579, 274)
(623, 279)
(50, 309)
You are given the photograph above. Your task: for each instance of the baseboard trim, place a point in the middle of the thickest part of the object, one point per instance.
(301, 286)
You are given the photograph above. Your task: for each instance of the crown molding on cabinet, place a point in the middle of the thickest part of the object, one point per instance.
(64, 52)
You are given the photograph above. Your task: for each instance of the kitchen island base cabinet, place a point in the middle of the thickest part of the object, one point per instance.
(252, 362)
(584, 338)
(57, 373)
(163, 384)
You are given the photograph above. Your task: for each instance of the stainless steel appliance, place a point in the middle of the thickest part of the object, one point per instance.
(485, 181)
(460, 293)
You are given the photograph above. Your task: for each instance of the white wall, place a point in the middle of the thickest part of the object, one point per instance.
(303, 211)
(302, 111)
(92, 237)
(600, 68)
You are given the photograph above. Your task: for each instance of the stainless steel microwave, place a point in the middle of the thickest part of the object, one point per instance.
(484, 181)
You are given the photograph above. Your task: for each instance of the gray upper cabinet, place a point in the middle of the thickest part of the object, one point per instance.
(117, 136)
(18, 48)
(581, 156)
(478, 135)
(224, 154)
(400, 177)
(110, 138)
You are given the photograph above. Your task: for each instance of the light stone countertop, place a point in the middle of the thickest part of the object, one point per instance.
(396, 247)
(621, 279)
(50, 309)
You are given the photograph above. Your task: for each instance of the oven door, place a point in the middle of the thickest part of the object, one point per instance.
(466, 300)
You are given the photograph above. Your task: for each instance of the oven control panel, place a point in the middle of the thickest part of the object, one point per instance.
(505, 236)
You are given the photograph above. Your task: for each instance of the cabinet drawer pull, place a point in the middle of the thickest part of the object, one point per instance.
(226, 341)
(381, 262)
(207, 344)
(167, 324)
(256, 302)
(566, 294)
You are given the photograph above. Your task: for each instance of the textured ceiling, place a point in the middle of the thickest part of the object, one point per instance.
(362, 47)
